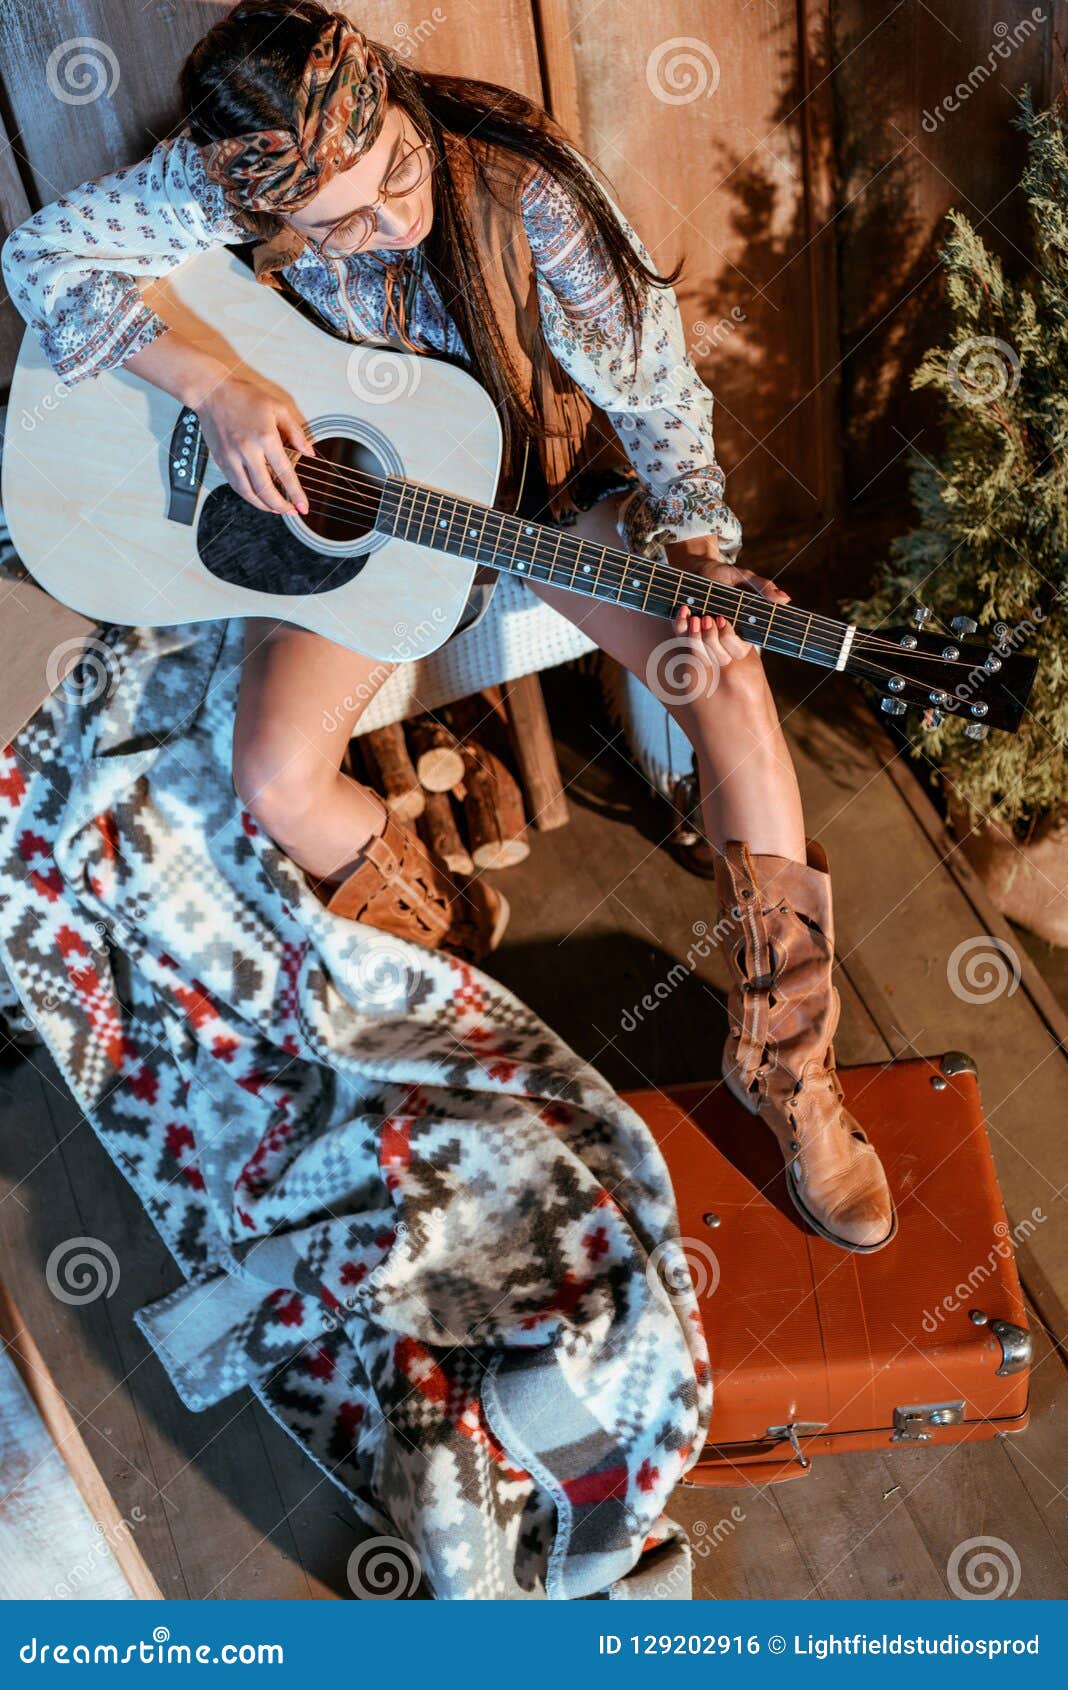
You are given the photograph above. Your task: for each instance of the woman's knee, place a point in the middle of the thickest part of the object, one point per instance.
(276, 786)
(742, 685)
(738, 699)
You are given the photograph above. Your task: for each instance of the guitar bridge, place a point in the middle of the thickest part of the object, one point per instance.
(187, 462)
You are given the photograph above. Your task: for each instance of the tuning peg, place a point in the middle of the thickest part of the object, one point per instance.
(976, 730)
(933, 719)
(992, 663)
(893, 706)
(920, 615)
(963, 625)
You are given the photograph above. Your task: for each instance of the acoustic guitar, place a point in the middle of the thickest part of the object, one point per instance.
(118, 511)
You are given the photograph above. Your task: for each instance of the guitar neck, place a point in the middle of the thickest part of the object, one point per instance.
(516, 546)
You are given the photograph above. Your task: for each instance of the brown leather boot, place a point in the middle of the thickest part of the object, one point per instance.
(779, 1058)
(398, 887)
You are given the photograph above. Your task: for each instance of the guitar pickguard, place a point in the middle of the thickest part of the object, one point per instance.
(251, 548)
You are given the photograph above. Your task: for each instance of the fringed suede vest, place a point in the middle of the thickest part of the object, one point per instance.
(585, 455)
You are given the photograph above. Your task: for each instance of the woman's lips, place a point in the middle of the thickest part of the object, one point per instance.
(413, 233)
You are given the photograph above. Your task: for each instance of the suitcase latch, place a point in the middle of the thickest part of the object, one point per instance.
(793, 1434)
(912, 1424)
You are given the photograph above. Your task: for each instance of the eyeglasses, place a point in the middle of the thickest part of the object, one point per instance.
(354, 231)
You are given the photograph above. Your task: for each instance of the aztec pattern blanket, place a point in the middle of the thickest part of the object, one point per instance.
(435, 1243)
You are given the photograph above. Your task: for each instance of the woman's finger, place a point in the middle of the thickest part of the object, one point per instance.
(275, 454)
(259, 475)
(729, 645)
(292, 429)
(761, 584)
(733, 644)
(237, 476)
(706, 634)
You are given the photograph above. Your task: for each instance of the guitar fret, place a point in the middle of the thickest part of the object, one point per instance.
(556, 552)
(580, 547)
(515, 544)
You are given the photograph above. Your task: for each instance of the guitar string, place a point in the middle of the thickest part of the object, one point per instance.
(863, 639)
(818, 648)
(836, 628)
(771, 642)
(816, 645)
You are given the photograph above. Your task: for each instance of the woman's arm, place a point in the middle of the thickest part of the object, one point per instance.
(73, 268)
(660, 408)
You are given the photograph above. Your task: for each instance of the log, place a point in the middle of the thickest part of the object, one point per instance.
(390, 770)
(441, 835)
(531, 739)
(439, 760)
(493, 806)
(493, 810)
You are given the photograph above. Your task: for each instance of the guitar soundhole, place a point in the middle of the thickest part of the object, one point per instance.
(255, 549)
(342, 502)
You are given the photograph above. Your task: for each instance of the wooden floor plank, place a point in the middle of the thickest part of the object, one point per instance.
(113, 1539)
(743, 1548)
(38, 1212)
(1038, 1456)
(50, 1549)
(964, 1493)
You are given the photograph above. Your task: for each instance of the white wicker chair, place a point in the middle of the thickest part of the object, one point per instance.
(514, 635)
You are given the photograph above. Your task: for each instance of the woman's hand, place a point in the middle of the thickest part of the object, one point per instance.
(713, 633)
(247, 426)
(246, 422)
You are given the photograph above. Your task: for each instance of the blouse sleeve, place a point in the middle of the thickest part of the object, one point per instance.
(72, 268)
(659, 406)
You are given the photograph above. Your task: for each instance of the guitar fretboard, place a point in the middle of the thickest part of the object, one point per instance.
(516, 546)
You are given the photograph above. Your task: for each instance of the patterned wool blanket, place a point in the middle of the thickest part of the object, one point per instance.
(435, 1244)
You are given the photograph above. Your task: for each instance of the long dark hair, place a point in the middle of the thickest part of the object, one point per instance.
(242, 76)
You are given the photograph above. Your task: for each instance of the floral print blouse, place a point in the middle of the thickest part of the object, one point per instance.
(72, 270)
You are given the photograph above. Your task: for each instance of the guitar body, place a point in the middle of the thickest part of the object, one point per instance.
(89, 475)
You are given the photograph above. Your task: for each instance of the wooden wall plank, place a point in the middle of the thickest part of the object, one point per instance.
(713, 128)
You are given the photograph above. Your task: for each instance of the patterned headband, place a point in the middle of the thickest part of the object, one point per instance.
(337, 115)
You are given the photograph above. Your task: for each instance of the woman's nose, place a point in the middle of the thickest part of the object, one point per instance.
(396, 218)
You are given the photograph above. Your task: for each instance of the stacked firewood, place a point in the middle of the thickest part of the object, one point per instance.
(472, 777)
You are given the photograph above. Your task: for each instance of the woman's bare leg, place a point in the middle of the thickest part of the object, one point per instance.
(299, 699)
(748, 785)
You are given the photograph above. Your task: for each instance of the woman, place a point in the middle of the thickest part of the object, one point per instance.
(421, 208)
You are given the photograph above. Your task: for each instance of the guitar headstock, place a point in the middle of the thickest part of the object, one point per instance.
(947, 674)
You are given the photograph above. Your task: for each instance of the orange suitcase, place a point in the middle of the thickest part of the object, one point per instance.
(816, 1349)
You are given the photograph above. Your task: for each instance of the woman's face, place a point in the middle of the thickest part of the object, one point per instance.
(402, 220)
